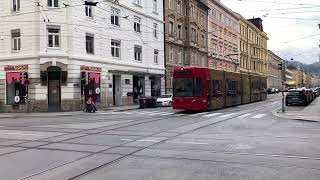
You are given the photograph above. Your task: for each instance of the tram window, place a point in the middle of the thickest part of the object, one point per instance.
(216, 88)
(183, 87)
(197, 87)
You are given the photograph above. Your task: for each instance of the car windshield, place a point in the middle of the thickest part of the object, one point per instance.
(187, 87)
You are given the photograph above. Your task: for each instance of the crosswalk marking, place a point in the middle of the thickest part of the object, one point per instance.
(228, 115)
(212, 114)
(259, 116)
(245, 115)
(198, 114)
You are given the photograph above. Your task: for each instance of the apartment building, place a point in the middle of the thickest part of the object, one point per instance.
(273, 72)
(55, 54)
(186, 30)
(223, 37)
(253, 46)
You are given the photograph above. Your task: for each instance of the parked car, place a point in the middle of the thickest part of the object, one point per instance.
(165, 100)
(297, 97)
(316, 91)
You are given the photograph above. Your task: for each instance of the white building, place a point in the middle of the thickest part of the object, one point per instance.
(115, 47)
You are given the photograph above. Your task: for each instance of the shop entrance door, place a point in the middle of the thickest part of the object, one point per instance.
(117, 94)
(54, 89)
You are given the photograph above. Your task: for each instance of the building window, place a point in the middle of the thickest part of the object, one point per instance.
(193, 11)
(155, 30)
(155, 6)
(179, 31)
(203, 40)
(137, 25)
(15, 5)
(115, 48)
(171, 4)
(53, 37)
(179, 7)
(214, 14)
(16, 40)
(137, 53)
(156, 56)
(88, 10)
(90, 43)
(115, 17)
(171, 28)
(194, 35)
(53, 3)
(186, 31)
(138, 2)
(171, 54)
(180, 56)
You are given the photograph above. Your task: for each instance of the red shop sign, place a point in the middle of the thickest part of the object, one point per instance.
(16, 67)
(91, 68)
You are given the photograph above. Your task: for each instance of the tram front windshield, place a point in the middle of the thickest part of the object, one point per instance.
(187, 87)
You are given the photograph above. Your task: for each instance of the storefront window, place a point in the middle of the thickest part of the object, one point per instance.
(16, 85)
(92, 89)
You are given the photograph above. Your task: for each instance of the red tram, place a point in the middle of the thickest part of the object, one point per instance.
(201, 89)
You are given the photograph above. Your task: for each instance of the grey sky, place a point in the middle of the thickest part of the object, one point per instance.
(291, 25)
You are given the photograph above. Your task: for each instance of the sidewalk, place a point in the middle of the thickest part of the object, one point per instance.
(73, 113)
(309, 113)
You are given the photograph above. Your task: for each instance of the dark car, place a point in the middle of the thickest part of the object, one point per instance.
(297, 97)
(316, 91)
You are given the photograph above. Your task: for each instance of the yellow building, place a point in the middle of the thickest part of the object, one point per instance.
(253, 46)
(297, 79)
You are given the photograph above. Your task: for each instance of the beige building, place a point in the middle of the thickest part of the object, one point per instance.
(186, 28)
(253, 46)
(223, 37)
(274, 74)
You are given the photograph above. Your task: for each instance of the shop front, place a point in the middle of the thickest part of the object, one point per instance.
(16, 88)
(91, 84)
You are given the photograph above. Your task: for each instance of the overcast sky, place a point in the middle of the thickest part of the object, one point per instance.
(291, 25)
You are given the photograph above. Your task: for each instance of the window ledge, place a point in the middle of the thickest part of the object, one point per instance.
(138, 61)
(49, 7)
(138, 5)
(15, 51)
(117, 58)
(54, 48)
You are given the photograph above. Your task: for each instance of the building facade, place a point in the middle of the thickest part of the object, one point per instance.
(274, 74)
(253, 46)
(297, 78)
(223, 37)
(185, 35)
(55, 54)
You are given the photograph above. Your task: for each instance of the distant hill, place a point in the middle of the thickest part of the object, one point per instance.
(308, 68)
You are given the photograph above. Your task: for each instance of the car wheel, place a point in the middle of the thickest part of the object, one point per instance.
(170, 104)
(287, 104)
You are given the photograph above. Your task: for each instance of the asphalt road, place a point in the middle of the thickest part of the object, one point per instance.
(239, 143)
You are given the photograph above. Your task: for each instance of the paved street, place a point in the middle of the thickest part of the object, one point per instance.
(239, 143)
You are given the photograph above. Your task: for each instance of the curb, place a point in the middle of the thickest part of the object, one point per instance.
(297, 118)
(63, 114)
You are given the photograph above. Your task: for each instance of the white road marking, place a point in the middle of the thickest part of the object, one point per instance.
(126, 140)
(212, 114)
(198, 114)
(177, 115)
(259, 116)
(196, 143)
(22, 134)
(147, 140)
(165, 114)
(228, 115)
(245, 115)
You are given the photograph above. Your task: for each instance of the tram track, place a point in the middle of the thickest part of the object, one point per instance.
(124, 144)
